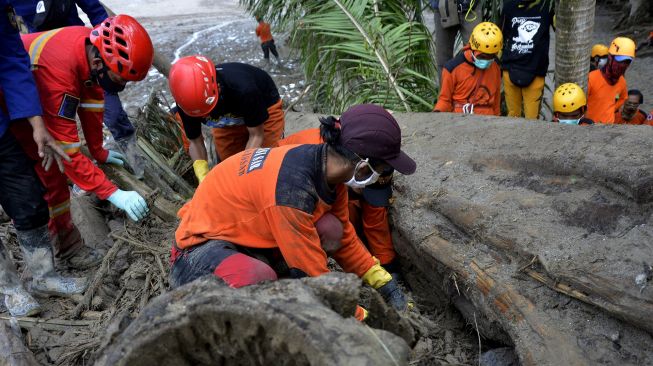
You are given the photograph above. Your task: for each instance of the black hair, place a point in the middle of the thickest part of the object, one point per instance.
(330, 134)
(638, 93)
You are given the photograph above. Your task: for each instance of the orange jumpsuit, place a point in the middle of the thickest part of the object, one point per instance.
(271, 198)
(603, 99)
(465, 84)
(372, 219)
(640, 118)
(61, 72)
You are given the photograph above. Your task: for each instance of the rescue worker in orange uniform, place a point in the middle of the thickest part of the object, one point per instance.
(606, 87)
(71, 67)
(270, 200)
(239, 101)
(267, 42)
(569, 105)
(598, 56)
(630, 114)
(471, 81)
(368, 207)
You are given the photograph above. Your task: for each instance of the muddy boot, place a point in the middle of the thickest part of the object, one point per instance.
(39, 260)
(71, 252)
(82, 258)
(133, 155)
(17, 300)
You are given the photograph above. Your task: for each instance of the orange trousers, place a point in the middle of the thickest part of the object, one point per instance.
(232, 140)
(371, 222)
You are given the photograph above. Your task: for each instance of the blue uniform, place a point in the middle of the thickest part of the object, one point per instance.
(20, 98)
(93, 9)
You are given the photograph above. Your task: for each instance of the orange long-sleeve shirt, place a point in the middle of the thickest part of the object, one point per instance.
(374, 219)
(263, 32)
(271, 198)
(61, 72)
(464, 83)
(603, 99)
(640, 118)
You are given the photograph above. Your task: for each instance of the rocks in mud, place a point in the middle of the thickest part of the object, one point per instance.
(286, 322)
(503, 356)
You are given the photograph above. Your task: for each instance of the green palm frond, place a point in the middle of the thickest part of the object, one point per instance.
(355, 51)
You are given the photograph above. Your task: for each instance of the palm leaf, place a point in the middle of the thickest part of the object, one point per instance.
(357, 51)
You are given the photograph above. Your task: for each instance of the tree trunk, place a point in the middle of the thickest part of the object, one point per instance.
(574, 27)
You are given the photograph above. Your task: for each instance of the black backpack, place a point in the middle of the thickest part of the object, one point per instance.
(51, 14)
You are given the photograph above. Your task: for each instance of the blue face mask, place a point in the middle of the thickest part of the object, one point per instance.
(569, 121)
(481, 64)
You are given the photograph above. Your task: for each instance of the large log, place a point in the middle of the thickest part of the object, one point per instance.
(493, 198)
(286, 322)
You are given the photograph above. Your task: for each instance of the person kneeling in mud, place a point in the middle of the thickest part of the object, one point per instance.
(368, 205)
(276, 199)
(569, 105)
(240, 102)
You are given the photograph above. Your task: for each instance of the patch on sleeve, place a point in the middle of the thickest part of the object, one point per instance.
(68, 107)
(252, 160)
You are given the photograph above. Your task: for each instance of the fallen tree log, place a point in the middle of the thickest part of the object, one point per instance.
(491, 194)
(284, 322)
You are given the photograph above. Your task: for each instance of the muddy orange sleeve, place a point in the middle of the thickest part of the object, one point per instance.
(377, 232)
(445, 99)
(295, 234)
(352, 255)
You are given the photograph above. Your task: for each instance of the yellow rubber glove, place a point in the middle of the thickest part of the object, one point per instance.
(201, 169)
(377, 276)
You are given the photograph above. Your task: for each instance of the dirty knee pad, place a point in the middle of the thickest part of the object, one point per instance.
(199, 260)
(240, 270)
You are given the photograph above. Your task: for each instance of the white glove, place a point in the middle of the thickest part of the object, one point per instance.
(130, 202)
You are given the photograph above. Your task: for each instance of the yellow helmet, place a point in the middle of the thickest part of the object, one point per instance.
(568, 98)
(622, 46)
(599, 50)
(487, 38)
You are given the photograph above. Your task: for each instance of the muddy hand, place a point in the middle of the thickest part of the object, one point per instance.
(393, 295)
(48, 149)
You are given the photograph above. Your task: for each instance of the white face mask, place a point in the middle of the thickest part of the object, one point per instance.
(353, 183)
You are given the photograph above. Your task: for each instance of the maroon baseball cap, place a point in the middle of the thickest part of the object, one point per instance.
(370, 131)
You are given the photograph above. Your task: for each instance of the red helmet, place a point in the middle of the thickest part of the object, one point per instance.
(193, 85)
(125, 46)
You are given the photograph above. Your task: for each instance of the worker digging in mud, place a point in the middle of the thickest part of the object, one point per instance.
(263, 204)
(598, 56)
(368, 206)
(569, 105)
(630, 114)
(471, 81)
(40, 16)
(21, 192)
(72, 66)
(606, 87)
(240, 102)
(264, 33)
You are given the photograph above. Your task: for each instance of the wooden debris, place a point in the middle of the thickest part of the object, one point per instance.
(13, 351)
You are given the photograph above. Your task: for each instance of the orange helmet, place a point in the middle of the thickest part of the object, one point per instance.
(125, 46)
(193, 85)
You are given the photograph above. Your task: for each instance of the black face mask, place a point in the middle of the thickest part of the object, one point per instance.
(105, 81)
